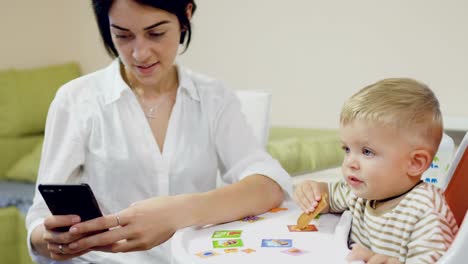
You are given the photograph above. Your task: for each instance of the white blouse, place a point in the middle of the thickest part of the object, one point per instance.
(97, 133)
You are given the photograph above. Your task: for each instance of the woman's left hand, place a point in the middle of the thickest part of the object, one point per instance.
(362, 253)
(142, 226)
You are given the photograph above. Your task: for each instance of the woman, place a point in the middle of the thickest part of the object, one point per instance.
(149, 137)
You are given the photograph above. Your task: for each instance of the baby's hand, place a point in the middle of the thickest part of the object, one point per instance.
(307, 195)
(361, 253)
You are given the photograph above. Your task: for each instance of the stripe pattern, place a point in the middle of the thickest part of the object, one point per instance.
(418, 230)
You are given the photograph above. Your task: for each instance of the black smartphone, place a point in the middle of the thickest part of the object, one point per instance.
(65, 199)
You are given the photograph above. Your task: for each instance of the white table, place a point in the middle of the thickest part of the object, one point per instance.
(327, 245)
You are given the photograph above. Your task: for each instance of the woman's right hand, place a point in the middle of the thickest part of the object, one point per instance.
(53, 244)
(308, 194)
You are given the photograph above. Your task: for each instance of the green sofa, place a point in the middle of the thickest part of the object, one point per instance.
(13, 238)
(305, 150)
(25, 96)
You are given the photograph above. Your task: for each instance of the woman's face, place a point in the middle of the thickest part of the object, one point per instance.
(146, 39)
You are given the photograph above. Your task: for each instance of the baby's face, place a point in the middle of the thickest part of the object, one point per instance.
(376, 160)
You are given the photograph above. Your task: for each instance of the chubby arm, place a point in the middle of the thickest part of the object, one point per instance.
(361, 253)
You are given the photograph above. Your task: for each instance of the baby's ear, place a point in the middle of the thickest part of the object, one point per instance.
(420, 160)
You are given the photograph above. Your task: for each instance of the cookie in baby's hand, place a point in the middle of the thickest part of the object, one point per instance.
(304, 219)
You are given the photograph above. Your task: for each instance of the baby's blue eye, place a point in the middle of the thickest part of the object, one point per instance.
(367, 152)
(345, 148)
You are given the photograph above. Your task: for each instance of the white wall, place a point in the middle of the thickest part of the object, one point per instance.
(310, 54)
(313, 54)
(40, 32)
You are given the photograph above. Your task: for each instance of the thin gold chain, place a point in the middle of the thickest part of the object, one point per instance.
(149, 110)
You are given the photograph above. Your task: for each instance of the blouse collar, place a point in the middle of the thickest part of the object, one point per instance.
(119, 86)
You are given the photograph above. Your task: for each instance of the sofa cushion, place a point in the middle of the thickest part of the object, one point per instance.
(304, 150)
(8, 239)
(13, 149)
(25, 96)
(13, 246)
(26, 168)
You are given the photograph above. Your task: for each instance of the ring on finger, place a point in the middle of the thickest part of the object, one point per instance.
(118, 219)
(60, 247)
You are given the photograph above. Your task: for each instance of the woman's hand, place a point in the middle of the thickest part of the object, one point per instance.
(308, 194)
(52, 244)
(142, 226)
(360, 252)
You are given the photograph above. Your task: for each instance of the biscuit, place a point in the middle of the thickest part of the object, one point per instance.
(304, 219)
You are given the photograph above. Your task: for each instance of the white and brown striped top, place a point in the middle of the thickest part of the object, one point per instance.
(418, 230)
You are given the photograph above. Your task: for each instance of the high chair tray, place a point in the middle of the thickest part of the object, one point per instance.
(266, 239)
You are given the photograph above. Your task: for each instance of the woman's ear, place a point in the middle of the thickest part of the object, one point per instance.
(188, 11)
(419, 162)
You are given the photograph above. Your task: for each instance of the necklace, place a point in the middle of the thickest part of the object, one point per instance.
(148, 109)
(373, 203)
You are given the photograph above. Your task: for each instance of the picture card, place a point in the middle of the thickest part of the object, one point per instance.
(227, 243)
(308, 228)
(276, 242)
(252, 219)
(294, 251)
(227, 234)
(206, 254)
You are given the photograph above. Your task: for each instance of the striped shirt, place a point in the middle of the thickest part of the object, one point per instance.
(417, 230)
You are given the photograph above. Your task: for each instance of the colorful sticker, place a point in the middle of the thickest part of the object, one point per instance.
(206, 254)
(248, 250)
(227, 234)
(294, 251)
(231, 250)
(252, 219)
(308, 228)
(278, 209)
(276, 243)
(227, 243)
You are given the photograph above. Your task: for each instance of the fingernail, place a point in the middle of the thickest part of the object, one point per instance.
(72, 245)
(73, 230)
(75, 219)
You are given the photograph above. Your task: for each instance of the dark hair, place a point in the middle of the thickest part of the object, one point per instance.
(177, 7)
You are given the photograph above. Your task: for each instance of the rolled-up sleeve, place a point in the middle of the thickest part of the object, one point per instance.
(239, 152)
(61, 158)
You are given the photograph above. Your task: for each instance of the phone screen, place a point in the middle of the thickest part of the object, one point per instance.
(66, 199)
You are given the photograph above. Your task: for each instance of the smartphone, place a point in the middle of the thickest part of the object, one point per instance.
(65, 199)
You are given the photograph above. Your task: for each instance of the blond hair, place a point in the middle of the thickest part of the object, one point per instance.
(401, 103)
